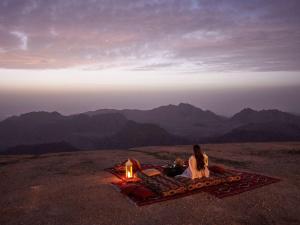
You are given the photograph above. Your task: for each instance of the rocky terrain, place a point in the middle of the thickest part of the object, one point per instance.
(71, 188)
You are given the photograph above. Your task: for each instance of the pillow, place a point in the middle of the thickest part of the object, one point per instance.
(137, 191)
(127, 188)
(142, 193)
(136, 165)
(217, 169)
(151, 172)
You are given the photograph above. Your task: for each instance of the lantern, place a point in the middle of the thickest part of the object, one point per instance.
(128, 169)
(205, 159)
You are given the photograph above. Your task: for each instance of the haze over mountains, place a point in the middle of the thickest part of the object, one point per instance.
(183, 119)
(165, 125)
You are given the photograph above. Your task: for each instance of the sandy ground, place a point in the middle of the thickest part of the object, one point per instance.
(72, 188)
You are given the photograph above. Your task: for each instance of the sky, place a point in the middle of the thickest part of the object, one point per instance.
(77, 55)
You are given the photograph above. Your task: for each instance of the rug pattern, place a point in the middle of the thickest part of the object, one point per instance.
(248, 181)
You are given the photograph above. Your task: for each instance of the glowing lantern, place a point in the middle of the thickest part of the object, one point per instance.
(205, 159)
(128, 166)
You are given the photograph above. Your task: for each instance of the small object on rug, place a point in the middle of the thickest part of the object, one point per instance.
(179, 162)
(174, 170)
(151, 172)
(217, 169)
(136, 191)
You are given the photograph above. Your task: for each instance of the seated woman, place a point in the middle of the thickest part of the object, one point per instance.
(198, 165)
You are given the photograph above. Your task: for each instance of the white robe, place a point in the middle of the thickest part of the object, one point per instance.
(192, 171)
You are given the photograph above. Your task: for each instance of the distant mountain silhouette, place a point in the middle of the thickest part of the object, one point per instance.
(165, 125)
(81, 131)
(183, 119)
(261, 132)
(251, 116)
(136, 134)
(205, 126)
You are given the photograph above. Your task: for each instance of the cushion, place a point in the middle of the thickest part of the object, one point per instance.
(136, 165)
(137, 191)
(142, 193)
(127, 188)
(217, 169)
(151, 172)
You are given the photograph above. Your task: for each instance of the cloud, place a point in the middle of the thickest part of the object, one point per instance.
(53, 32)
(210, 35)
(155, 66)
(23, 39)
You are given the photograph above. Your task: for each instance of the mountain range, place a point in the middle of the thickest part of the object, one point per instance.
(165, 125)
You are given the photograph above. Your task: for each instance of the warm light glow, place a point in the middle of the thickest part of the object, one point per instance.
(128, 167)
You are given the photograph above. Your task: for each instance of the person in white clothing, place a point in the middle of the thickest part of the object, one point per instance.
(198, 165)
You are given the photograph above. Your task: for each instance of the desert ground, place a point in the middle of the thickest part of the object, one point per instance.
(72, 188)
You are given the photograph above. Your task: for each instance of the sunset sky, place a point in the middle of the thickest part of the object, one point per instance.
(78, 55)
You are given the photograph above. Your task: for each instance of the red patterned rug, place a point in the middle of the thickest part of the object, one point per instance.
(141, 195)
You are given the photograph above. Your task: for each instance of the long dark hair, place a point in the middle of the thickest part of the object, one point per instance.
(199, 157)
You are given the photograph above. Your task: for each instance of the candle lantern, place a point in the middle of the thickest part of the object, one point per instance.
(128, 169)
(205, 159)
